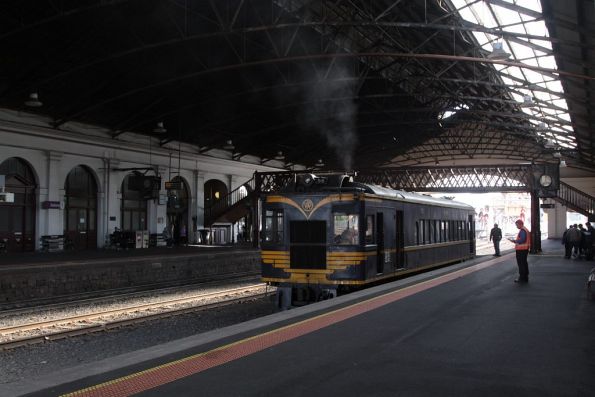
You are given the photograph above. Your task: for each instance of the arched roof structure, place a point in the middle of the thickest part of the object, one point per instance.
(354, 83)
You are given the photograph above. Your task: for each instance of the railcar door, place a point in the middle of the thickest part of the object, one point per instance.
(380, 243)
(471, 234)
(400, 241)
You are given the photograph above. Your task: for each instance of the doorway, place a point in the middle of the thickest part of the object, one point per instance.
(17, 219)
(80, 213)
(177, 210)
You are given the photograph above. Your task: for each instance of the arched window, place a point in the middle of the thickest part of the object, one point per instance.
(134, 207)
(80, 214)
(214, 190)
(17, 219)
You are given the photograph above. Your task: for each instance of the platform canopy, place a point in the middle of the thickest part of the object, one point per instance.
(339, 84)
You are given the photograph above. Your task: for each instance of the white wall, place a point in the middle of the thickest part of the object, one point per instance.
(52, 154)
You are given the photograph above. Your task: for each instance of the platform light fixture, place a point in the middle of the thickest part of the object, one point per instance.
(319, 163)
(33, 100)
(498, 53)
(527, 102)
(160, 128)
(280, 156)
(229, 145)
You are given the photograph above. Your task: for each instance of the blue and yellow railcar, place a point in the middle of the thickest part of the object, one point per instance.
(325, 235)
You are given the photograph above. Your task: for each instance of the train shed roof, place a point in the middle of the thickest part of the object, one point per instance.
(348, 84)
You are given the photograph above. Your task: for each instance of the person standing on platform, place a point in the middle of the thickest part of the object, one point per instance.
(522, 243)
(589, 241)
(496, 236)
(567, 244)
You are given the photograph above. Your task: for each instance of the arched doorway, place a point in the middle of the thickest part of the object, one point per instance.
(17, 219)
(214, 190)
(80, 214)
(177, 210)
(134, 207)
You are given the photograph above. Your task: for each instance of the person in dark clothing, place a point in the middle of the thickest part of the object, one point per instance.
(496, 236)
(522, 243)
(567, 243)
(589, 241)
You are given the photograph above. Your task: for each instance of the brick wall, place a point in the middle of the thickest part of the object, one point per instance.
(22, 283)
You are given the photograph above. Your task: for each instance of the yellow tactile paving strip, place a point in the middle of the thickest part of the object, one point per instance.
(172, 371)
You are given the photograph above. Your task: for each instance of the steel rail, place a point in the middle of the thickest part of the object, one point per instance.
(133, 310)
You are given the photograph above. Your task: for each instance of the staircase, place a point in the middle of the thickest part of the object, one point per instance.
(576, 200)
(231, 207)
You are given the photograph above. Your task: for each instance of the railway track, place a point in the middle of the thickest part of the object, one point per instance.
(58, 328)
(60, 300)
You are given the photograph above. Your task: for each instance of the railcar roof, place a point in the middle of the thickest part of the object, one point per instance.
(413, 197)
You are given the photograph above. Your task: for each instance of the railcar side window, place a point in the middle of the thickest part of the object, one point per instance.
(346, 229)
(273, 226)
(446, 229)
(370, 229)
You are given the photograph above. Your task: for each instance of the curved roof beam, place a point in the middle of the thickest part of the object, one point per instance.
(258, 29)
(309, 58)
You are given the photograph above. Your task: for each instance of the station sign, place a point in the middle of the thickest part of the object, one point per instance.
(547, 206)
(6, 197)
(46, 205)
(173, 185)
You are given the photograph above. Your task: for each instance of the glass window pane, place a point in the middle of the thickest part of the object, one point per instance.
(268, 228)
(346, 229)
(126, 220)
(135, 221)
(82, 220)
(17, 219)
(370, 229)
(279, 226)
(91, 220)
(72, 220)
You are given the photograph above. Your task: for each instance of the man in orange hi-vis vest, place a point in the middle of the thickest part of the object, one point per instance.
(522, 243)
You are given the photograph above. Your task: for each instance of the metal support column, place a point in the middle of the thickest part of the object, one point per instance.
(535, 224)
(255, 213)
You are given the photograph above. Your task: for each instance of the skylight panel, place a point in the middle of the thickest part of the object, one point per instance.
(506, 16)
(521, 18)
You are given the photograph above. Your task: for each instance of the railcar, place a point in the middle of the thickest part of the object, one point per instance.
(325, 235)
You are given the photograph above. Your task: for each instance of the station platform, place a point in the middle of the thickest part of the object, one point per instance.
(465, 330)
(84, 256)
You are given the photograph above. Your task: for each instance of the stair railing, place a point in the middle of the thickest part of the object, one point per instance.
(220, 206)
(577, 200)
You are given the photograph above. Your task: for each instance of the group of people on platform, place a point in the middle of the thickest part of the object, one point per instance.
(578, 241)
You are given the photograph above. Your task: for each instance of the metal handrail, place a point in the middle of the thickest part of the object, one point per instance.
(577, 200)
(229, 200)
